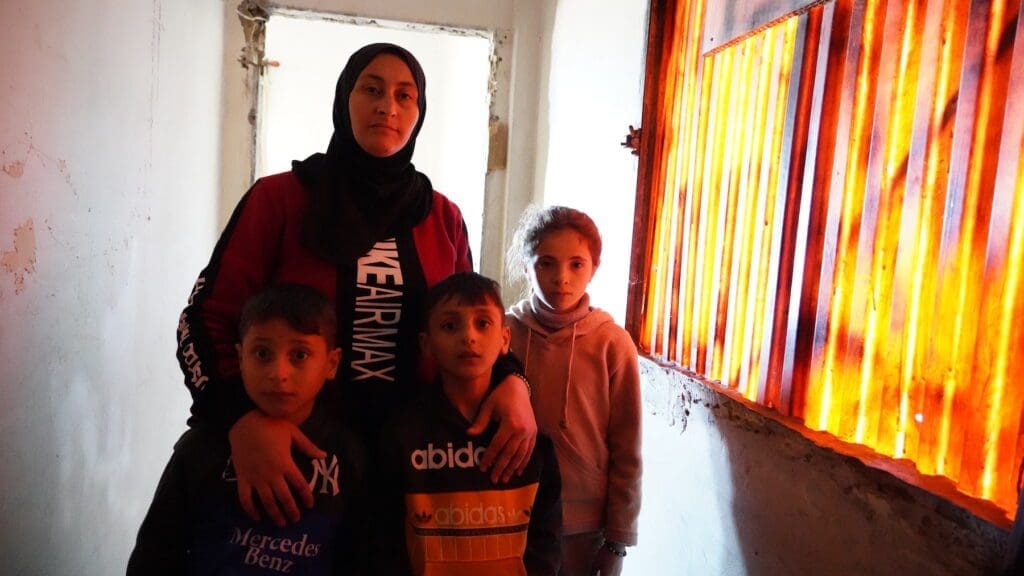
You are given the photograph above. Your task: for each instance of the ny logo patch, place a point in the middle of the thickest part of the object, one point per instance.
(327, 474)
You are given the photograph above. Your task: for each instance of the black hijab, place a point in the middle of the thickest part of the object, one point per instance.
(357, 199)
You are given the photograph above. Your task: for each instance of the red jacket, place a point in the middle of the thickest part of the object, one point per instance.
(378, 300)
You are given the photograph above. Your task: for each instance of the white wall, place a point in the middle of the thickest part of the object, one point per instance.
(109, 136)
(595, 94)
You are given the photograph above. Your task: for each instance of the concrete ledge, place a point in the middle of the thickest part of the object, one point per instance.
(804, 502)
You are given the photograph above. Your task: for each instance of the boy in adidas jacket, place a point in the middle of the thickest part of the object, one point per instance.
(438, 513)
(196, 526)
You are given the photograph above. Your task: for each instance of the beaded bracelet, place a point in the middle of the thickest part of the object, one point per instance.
(621, 553)
(521, 376)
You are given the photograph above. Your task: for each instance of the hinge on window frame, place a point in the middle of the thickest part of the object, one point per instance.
(632, 141)
(253, 14)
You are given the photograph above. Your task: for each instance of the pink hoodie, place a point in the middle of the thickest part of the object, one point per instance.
(586, 397)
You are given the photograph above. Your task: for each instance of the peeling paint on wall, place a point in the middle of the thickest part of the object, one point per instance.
(497, 150)
(14, 169)
(22, 150)
(21, 260)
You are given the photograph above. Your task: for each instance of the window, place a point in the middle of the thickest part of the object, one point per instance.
(831, 220)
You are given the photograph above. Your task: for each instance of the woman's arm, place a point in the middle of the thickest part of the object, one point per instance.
(261, 451)
(509, 405)
(242, 263)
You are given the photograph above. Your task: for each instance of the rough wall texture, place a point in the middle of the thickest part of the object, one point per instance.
(729, 490)
(108, 181)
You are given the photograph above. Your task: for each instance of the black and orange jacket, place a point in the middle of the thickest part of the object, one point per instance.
(378, 300)
(437, 513)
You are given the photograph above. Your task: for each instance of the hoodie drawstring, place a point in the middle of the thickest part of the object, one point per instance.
(568, 378)
(526, 360)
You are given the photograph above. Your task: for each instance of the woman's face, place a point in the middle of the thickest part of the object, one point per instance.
(384, 106)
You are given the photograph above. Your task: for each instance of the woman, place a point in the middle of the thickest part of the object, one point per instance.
(360, 224)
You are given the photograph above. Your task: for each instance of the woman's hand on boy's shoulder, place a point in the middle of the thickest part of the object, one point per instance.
(261, 449)
(513, 443)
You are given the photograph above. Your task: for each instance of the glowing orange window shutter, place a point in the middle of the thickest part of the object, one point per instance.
(831, 220)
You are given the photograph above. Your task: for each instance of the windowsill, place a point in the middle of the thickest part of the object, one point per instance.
(722, 399)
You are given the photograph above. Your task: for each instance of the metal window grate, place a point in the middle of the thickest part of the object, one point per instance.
(831, 222)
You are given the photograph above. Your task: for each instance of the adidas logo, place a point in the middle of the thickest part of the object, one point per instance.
(431, 458)
(478, 515)
(422, 517)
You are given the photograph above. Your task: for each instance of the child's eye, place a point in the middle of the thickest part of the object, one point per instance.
(300, 355)
(577, 265)
(484, 324)
(262, 354)
(448, 326)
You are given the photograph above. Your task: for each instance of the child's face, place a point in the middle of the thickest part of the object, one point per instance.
(561, 269)
(283, 369)
(465, 339)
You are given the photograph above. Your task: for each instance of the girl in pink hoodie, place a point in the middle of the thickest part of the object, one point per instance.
(586, 386)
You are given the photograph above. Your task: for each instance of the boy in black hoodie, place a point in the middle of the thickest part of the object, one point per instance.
(439, 514)
(196, 525)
